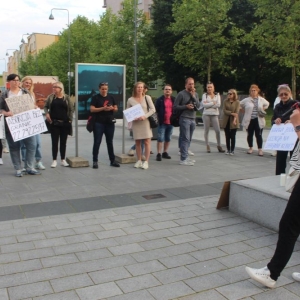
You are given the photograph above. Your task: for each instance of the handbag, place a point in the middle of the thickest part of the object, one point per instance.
(58, 123)
(262, 113)
(153, 119)
(90, 123)
(291, 179)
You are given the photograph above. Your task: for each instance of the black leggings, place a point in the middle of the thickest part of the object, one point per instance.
(59, 133)
(1, 148)
(254, 128)
(230, 137)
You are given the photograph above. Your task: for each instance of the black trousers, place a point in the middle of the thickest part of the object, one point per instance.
(59, 134)
(289, 229)
(1, 149)
(230, 138)
(254, 128)
(281, 157)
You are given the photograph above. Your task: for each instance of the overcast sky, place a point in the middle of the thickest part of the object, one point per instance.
(28, 16)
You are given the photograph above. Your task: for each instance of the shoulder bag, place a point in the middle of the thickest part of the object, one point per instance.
(90, 123)
(153, 119)
(174, 119)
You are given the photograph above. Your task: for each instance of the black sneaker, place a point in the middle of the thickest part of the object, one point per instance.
(166, 155)
(158, 157)
(115, 164)
(95, 165)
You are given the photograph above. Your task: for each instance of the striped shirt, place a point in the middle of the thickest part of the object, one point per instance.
(295, 159)
(255, 108)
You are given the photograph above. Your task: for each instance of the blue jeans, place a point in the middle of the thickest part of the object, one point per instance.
(187, 127)
(164, 133)
(14, 150)
(38, 153)
(108, 130)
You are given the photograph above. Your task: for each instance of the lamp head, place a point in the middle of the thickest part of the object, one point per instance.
(51, 17)
(22, 41)
(6, 53)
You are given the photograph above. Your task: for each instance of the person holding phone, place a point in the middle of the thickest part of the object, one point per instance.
(103, 106)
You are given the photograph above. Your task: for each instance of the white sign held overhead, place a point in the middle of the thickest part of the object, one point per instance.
(26, 124)
(282, 137)
(133, 112)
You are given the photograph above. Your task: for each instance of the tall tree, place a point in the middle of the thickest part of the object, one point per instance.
(277, 35)
(203, 46)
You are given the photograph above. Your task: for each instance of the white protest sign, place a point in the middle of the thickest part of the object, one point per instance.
(281, 137)
(2, 127)
(20, 104)
(133, 112)
(26, 124)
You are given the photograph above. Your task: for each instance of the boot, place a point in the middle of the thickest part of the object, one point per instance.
(220, 149)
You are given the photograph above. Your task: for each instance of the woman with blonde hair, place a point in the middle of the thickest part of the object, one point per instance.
(141, 127)
(27, 84)
(230, 122)
(59, 111)
(254, 120)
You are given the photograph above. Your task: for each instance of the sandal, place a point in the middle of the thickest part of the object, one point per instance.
(260, 153)
(249, 151)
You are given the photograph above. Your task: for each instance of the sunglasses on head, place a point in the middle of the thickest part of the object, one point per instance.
(103, 83)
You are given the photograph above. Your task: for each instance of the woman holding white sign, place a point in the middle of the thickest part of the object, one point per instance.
(285, 94)
(14, 147)
(59, 111)
(141, 127)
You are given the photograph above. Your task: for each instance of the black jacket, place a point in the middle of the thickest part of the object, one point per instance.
(281, 108)
(160, 108)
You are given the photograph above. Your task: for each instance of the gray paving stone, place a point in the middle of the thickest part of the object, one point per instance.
(208, 295)
(50, 242)
(8, 240)
(88, 229)
(129, 239)
(10, 213)
(155, 244)
(45, 274)
(163, 225)
(206, 282)
(179, 249)
(100, 291)
(235, 248)
(71, 282)
(17, 247)
(209, 233)
(79, 238)
(206, 267)
(178, 260)
(157, 234)
(173, 275)
(13, 280)
(232, 238)
(235, 260)
(119, 218)
(41, 228)
(145, 267)
(138, 229)
(234, 274)
(101, 244)
(109, 275)
(139, 295)
(38, 253)
(261, 253)
(59, 260)
(239, 290)
(294, 288)
(80, 217)
(59, 233)
(189, 221)
(66, 225)
(71, 295)
(22, 266)
(65, 249)
(171, 291)
(207, 243)
(184, 238)
(126, 249)
(93, 254)
(110, 234)
(137, 283)
(141, 221)
(115, 225)
(163, 218)
(247, 226)
(149, 255)
(9, 257)
(208, 254)
(184, 229)
(29, 290)
(3, 294)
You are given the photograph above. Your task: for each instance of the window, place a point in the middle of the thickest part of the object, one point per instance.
(150, 11)
(140, 1)
(152, 85)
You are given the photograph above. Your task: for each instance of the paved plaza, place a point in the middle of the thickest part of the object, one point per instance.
(122, 233)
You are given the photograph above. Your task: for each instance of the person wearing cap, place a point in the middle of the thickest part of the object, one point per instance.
(103, 106)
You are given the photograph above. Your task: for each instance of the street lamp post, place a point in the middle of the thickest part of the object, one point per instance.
(135, 43)
(51, 17)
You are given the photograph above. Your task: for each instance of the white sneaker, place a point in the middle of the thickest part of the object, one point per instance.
(186, 163)
(39, 165)
(1, 160)
(296, 276)
(131, 152)
(232, 153)
(191, 160)
(5, 150)
(138, 164)
(64, 163)
(262, 276)
(54, 164)
(145, 165)
(227, 153)
(191, 153)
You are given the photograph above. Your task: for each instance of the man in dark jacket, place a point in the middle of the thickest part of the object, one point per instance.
(164, 108)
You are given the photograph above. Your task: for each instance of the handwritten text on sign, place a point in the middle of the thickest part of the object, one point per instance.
(281, 137)
(20, 104)
(2, 128)
(26, 124)
(133, 112)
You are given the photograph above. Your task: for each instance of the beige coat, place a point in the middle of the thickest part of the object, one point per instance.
(247, 105)
(229, 108)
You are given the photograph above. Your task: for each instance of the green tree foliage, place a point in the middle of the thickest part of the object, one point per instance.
(203, 46)
(277, 34)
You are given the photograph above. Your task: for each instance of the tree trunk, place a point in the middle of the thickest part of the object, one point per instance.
(294, 82)
(209, 65)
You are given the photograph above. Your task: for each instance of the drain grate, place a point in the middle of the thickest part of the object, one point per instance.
(154, 196)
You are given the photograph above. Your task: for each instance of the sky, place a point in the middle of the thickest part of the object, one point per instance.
(32, 16)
